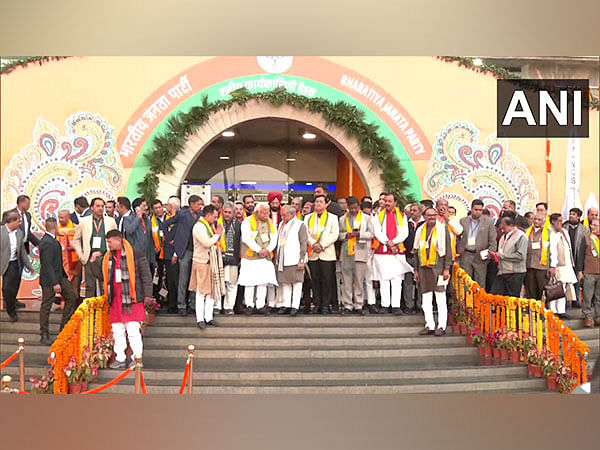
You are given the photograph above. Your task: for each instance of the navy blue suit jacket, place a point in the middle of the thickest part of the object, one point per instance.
(185, 222)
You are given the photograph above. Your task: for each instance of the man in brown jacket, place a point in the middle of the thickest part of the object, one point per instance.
(590, 275)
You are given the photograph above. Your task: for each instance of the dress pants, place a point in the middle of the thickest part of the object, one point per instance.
(172, 282)
(323, 283)
(370, 292)
(440, 300)
(231, 287)
(133, 334)
(409, 291)
(291, 293)
(48, 297)
(274, 297)
(11, 281)
(472, 263)
(353, 286)
(204, 307)
(261, 294)
(396, 288)
(185, 269)
(535, 280)
(590, 305)
(160, 273)
(508, 284)
(94, 285)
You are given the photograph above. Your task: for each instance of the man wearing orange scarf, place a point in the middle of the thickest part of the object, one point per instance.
(127, 286)
(71, 263)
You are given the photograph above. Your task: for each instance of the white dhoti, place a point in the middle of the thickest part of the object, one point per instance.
(390, 267)
(257, 272)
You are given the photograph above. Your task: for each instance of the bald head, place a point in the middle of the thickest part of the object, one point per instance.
(63, 217)
(592, 214)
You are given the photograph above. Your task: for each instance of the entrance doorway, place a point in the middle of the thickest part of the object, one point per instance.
(274, 154)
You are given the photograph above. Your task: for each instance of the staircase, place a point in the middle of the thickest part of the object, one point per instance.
(303, 354)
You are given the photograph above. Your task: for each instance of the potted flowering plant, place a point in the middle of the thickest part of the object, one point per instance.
(454, 317)
(45, 385)
(79, 374)
(566, 379)
(535, 358)
(549, 369)
(102, 351)
(527, 343)
(497, 337)
(511, 344)
(152, 306)
(486, 345)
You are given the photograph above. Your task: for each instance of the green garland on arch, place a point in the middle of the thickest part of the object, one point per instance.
(167, 145)
(24, 62)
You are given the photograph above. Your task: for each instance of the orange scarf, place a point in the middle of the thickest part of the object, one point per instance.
(130, 268)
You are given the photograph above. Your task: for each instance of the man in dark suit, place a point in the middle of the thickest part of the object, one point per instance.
(476, 241)
(172, 269)
(53, 281)
(13, 258)
(82, 209)
(23, 205)
(411, 298)
(184, 249)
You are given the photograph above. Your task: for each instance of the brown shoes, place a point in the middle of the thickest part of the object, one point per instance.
(588, 322)
(426, 331)
(440, 332)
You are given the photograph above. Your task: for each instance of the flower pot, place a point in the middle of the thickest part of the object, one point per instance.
(151, 318)
(75, 388)
(496, 353)
(530, 369)
(84, 386)
(551, 383)
(470, 339)
(503, 353)
(537, 371)
(451, 320)
(514, 356)
(487, 352)
(481, 350)
(455, 329)
(463, 329)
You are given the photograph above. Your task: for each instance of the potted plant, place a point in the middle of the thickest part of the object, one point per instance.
(511, 344)
(486, 344)
(45, 385)
(566, 379)
(475, 338)
(535, 359)
(79, 374)
(527, 343)
(152, 306)
(454, 316)
(549, 369)
(462, 320)
(496, 343)
(102, 351)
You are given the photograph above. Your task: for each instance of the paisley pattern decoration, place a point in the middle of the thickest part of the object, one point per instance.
(461, 169)
(54, 169)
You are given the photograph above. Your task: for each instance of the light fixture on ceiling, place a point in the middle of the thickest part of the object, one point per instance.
(308, 135)
(308, 184)
(228, 133)
(290, 159)
(223, 157)
(247, 182)
(477, 62)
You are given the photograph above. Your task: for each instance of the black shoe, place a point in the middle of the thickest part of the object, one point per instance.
(426, 332)
(182, 312)
(384, 310)
(397, 311)
(13, 318)
(201, 325)
(411, 312)
(293, 312)
(20, 305)
(373, 309)
(272, 310)
(325, 312)
(346, 312)
(172, 311)
(46, 340)
(283, 311)
(249, 310)
(191, 312)
(335, 309)
(57, 300)
(576, 304)
(264, 311)
(360, 311)
(212, 323)
(228, 312)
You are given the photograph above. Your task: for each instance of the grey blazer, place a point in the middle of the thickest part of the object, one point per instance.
(361, 250)
(22, 257)
(486, 235)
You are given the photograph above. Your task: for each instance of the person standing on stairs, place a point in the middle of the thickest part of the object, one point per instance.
(433, 253)
(207, 278)
(127, 286)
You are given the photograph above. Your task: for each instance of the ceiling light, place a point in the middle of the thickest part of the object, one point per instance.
(247, 182)
(477, 62)
(309, 184)
(308, 135)
(223, 157)
(290, 159)
(228, 133)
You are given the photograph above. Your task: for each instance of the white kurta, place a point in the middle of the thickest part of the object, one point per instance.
(389, 267)
(256, 272)
(565, 273)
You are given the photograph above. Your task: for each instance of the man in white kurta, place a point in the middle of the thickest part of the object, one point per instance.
(389, 260)
(257, 271)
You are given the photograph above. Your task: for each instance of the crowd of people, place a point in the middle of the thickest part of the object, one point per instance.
(315, 256)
